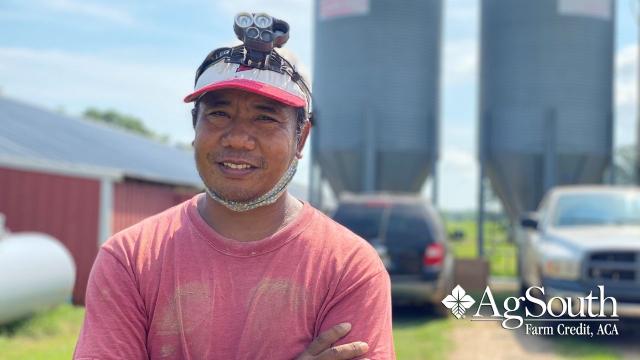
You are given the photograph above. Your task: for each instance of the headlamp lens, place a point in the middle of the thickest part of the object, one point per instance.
(244, 20)
(253, 33)
(266, 35)
(263, 21)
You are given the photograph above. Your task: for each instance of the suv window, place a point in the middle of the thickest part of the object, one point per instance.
(408, 224)
(362, 219)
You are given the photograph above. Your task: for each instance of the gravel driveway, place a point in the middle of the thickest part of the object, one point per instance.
(488, 340)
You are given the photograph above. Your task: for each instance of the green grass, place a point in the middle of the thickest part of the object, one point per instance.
(499, 251)
(421, 337)
(51, 335)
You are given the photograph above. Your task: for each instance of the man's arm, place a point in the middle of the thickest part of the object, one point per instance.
(366, 304)
(115, 321)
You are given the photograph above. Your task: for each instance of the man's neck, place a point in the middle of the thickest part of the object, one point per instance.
(249, 225)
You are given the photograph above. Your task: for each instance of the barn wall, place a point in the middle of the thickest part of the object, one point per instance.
(135, 201)
(64, 207)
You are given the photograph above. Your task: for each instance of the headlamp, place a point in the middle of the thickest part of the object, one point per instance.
(244, 20)
(252, 33)
(260, 33)
(263, 21)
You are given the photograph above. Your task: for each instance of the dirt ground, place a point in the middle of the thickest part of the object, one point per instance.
(488, 340)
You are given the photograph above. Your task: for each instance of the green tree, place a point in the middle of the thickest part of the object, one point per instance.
(625, 162)
(127, 122)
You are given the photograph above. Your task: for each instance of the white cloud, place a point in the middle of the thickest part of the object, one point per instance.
(76, 81)
(459, 159)
(460, 62)
(458, 167)
(626, 94)
(458, 179)
(461, 10)
(92, 10)
(285, 9)
(626, 75)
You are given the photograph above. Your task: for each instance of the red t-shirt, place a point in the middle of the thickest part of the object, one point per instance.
(171, 287)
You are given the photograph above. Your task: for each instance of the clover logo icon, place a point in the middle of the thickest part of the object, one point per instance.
(458, 301)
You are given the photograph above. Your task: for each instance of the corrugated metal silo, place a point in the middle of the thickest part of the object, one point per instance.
(546, 96)
(376, 80)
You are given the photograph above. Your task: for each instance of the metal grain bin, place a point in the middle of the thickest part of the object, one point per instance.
(546, 96)
(376, 80)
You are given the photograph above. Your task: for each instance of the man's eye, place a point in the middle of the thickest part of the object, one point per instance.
(266, 118)
(218, 113)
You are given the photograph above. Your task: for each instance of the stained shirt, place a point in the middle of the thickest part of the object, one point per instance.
(171, 287)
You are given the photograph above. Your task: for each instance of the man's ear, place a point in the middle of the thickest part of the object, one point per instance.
(304, 134)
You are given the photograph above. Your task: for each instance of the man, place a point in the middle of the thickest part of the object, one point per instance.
(244, 271)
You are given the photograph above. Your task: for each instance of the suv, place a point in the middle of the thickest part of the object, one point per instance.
(409, 237)
(582, 237)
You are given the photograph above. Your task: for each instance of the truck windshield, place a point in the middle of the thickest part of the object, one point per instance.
(589, 209)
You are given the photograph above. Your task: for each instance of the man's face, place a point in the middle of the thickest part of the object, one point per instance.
(244, 143)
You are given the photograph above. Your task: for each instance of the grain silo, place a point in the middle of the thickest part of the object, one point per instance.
(376, 80)
(546, 96)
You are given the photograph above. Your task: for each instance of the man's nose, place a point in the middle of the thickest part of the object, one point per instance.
(239, 137)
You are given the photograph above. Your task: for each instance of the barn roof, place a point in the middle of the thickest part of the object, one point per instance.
(47, 140)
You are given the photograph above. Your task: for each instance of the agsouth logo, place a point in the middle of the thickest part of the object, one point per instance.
(458, 301)
(577, 311)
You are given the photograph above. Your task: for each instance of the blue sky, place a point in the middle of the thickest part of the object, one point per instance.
(140, 57)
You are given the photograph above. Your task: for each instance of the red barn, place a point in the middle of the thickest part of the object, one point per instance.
(82, 181)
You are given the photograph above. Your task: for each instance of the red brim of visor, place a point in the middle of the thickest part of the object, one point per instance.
(255, 87)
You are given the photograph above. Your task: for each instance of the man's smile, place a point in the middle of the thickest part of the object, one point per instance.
(236, 166)
(236, 169)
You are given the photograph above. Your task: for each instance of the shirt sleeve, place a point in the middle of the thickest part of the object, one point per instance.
(115, 321)
(366, 304)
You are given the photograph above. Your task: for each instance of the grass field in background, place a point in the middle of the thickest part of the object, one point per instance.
(48, 336)
(499, 251)
(418, 335)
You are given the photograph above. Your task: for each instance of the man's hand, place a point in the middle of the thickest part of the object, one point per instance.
(321, 349)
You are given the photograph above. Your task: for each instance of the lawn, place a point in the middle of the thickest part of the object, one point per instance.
(499, 251)
(51, 335)
(419, 336)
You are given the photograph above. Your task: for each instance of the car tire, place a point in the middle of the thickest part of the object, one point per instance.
(438, 310)
(436, 307)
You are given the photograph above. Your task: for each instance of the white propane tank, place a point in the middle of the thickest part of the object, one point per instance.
(36, 273)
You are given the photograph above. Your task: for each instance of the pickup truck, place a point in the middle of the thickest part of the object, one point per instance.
(581, 237)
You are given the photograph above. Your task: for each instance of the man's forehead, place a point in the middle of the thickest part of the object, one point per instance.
(229, 95)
